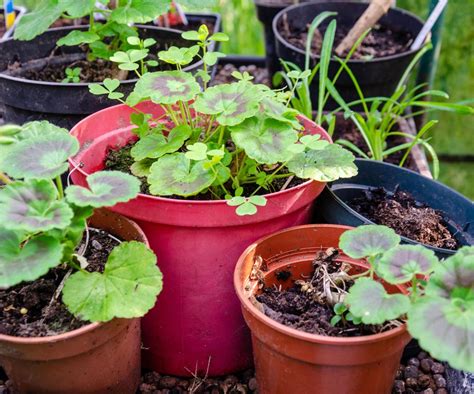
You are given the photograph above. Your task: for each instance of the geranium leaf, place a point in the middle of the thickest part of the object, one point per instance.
(41, 157)
(444, 329)
(139, 11)
(403, 262)
(231, 103)
(107, 188)
(181, 56)
(29, 261)
(77, 37)
(167, 87)
(197, 151)
(314, 142)
(369, 300)
(174, 174)
(141, 168)
(127, 288)
(368, 241)
(278, 111)
(264, 140)
(324, 165)
(32, 206)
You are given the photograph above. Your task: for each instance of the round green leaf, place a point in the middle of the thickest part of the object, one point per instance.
(174, 174)
(167, 87)
(368, 241)
(181, 56)
(41, 157)
(445, 330)
(324, 165)
(32, 206)
(231, 103)
(141, 168)
(403, 262)
(127, 288)
(265, 140)
(368, 300)
(107, 188)
(197, 151)
(26, 262)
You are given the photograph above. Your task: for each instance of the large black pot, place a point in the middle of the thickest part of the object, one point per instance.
(332, 205)
(60, 103)
(377, 77)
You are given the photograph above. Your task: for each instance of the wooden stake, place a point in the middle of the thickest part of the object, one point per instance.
(369, 18)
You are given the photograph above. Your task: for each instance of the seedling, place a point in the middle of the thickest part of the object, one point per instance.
(439, 304)
(42, 226)
(72, 75)
(227, 142)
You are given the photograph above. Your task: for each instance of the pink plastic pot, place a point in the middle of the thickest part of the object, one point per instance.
(196, 324)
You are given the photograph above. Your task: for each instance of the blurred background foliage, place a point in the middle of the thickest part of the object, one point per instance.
(454, 135)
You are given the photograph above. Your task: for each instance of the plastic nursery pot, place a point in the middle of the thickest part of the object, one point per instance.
(334, 208)
(61, 103)
(19, 12)
(196, 324)
(377, 77)
(292, 361)
(96, 358)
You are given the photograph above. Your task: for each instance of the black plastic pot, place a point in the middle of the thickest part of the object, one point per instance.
(377, 77)
(332, 204)
(63, 104)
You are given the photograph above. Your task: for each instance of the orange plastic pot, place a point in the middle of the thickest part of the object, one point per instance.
(292, 361)
(97, 358)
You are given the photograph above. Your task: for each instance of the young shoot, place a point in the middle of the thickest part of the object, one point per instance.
(73, 75)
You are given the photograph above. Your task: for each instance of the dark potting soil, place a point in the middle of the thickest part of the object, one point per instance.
(346, 129)
(119, 159)
(380, 42)
(408, 217)
(2, 24)
(33, 310)
(306, 306)
(224, 74)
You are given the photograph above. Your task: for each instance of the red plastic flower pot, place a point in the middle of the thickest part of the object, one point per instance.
(196, 324)
(292, 361)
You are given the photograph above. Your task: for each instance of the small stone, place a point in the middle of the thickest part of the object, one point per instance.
(151, 377)
(424, 381)
(146, 388)
(441, 391)
(425, 365)
(23, 311)
(414, 361)
(411, 383)
(183, 383)
(252, 384)
(398, 387)
(400, 371)
(440, 381)
(422, 355)
(96, 245)
(411, 372)
(231, 380)
(411, 391)
(247, 375)
(437, 368)
(427, 391)
(168, 382)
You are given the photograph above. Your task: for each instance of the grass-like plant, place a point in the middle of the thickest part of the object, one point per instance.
(222, 140)
(439, 304)
(43, 225)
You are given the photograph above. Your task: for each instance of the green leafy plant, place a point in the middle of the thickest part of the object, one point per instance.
(72, 75)
(113, 34)
(43, 224)
(227, 142)
(439, 303)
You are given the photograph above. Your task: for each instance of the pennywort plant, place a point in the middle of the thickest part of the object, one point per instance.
(43, 225)
(230, 141)
(104, 36)
(439, 304)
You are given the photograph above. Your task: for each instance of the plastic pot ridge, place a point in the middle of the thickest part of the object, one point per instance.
(197, 318)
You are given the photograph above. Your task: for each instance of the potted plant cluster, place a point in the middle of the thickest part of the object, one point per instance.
(37, 61)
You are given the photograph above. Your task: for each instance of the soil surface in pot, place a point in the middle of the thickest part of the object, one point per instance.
(307, 305)
(347, 130)
(408, 217)
(224, 74)
(33, 309)
(119, 159)
(380, 42)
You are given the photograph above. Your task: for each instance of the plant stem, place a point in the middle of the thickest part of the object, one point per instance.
(59, 184)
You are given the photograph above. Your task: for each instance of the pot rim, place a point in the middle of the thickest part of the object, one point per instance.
(78, 331)
(367, 221)
(86, 84)
(292, 332)
(280, 38)
(76, 167)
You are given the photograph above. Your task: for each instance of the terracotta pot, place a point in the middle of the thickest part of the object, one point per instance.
(292, 361)
(196, 324)
(97, 358)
